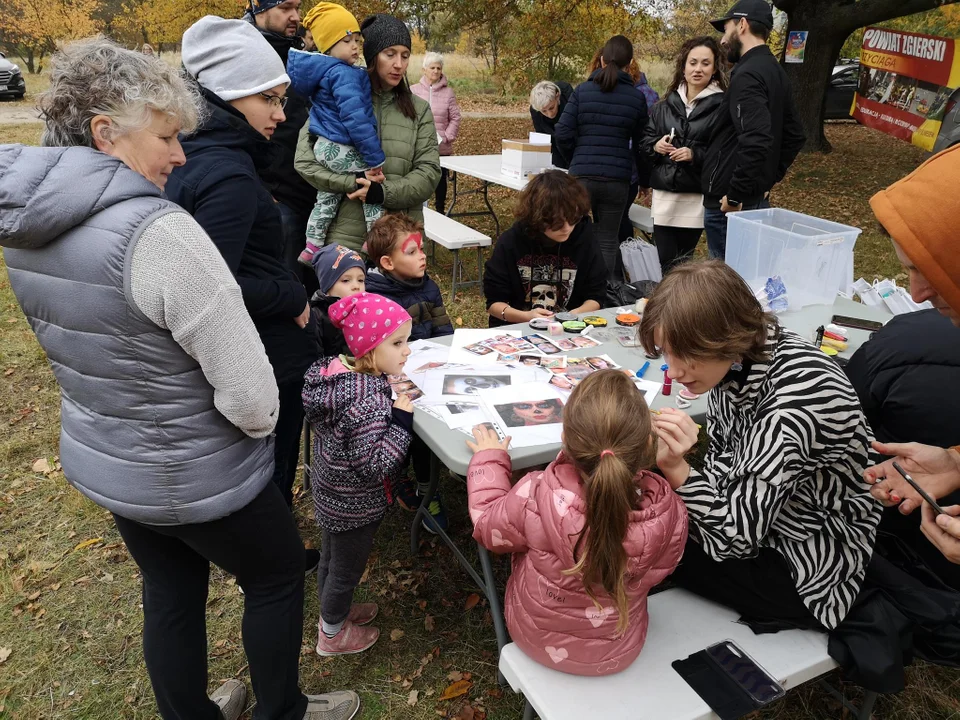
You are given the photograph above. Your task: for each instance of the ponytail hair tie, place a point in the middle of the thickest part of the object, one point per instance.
(608, 452)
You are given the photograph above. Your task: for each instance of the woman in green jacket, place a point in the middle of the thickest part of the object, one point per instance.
(407, 134)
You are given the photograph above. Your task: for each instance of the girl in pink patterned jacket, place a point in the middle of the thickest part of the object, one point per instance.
(590, 535)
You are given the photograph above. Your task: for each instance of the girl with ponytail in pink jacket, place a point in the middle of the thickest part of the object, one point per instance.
(590, 535)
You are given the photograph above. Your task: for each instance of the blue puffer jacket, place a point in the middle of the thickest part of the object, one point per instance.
(596, 130)
(340, 97)
(421, 298)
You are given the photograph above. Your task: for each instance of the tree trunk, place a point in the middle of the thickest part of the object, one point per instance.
(829, 23)
(810, 79)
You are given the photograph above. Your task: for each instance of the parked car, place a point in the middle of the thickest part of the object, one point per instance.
(842, 88)
(11, 79)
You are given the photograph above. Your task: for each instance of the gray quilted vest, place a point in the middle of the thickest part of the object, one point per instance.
(140, 434)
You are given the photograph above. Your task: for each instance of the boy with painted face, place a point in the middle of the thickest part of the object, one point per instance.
(395, 249)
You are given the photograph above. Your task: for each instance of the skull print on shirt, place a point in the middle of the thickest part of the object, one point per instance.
(548, 281)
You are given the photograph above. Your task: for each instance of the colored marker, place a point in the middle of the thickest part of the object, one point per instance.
(643, 369)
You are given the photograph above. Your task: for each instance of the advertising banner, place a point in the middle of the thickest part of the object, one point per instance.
(905, 82)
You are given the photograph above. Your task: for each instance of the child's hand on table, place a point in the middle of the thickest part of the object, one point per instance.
(403, 402)
(487, 439)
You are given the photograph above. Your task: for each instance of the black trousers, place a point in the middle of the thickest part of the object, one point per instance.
(260, 546)
(674, 244)
(286, 449)
(441, 200)
(343, 558)
(626, 227)
(759, 588)
(608, 198)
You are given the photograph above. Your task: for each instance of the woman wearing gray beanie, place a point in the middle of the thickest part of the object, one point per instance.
(407, 135)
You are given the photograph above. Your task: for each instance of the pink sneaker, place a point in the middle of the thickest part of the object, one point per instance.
(306, 257)
(362, 613)
(350, 640)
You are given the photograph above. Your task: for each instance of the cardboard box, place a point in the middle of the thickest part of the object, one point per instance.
(521, 158)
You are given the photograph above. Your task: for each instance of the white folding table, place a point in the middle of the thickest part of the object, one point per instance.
(486, 168)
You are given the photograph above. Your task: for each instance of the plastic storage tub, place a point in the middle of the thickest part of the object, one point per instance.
(814, 257)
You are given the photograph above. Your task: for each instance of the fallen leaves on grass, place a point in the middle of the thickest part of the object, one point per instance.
(454, 690)
(42, 466)
(471, 602)
(429, 624)
(396, 634)
(413, 697)
(88, 543)
(5, 653)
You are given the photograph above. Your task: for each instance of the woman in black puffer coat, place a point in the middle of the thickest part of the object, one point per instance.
(676, 141)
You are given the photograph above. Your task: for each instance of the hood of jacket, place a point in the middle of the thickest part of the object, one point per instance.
(336, 389)
(383, 283)
(40, 197)
(307, 69)
(226, 127)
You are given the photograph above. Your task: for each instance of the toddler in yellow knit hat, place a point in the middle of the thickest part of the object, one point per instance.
(341, 114)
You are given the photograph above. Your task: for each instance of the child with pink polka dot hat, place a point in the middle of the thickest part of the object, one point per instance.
(360, 444)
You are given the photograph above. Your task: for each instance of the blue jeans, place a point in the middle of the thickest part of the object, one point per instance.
(715, 223)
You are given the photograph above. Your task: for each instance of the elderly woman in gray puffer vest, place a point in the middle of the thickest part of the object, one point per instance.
(166, 417)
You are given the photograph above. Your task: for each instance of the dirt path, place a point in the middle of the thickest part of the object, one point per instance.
(15, 114)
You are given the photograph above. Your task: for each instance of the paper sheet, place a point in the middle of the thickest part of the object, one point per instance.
(531, 413)
(474, 339)
(464, 383)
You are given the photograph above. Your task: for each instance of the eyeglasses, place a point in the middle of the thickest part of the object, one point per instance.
(275, 100)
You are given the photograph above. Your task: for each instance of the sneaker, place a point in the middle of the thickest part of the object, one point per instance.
(311, 560)
(340, 705)
(306, 257)
(350, 640)
(362, 613)
(436, 510)
(231, 697)
(405, 491)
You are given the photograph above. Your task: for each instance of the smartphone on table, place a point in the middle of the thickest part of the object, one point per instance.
(856, 323)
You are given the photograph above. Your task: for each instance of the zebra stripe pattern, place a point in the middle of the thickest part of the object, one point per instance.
(788, 446)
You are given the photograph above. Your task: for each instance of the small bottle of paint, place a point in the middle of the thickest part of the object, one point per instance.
(667, 380)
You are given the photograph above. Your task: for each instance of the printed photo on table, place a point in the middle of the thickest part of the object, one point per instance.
(472, 384)
(533, 412)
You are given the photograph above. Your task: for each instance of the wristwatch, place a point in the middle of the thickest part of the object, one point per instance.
(733, 203)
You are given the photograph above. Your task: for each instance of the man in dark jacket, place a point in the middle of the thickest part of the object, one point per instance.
(279, 22)
(547, 100)
(758, 133)
(907, 377)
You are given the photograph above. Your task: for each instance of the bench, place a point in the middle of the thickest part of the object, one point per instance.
(455, 237)
(642, 220)
(681, 623)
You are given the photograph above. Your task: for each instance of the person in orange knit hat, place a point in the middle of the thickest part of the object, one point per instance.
(921, 213)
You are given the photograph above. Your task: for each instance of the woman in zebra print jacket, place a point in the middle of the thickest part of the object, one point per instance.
(782, 525)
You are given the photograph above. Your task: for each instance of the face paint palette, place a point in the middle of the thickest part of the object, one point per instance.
(574, 326)
(565, 317)
(628, 319)
(540, 323)
(595, 321)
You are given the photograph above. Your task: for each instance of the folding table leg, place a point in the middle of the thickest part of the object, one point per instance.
(527, 710)
(486, 200)
(866, 707)
(453, 180)
(456, 269)
(422, 511)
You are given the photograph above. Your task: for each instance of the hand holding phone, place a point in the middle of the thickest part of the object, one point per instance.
(923, 493)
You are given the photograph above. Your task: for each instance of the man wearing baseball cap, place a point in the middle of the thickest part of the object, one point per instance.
(758, 133)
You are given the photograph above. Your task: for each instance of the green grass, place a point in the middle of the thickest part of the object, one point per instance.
(25, 133)
(71, 616)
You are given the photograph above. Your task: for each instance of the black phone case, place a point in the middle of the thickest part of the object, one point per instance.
(716, 688)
